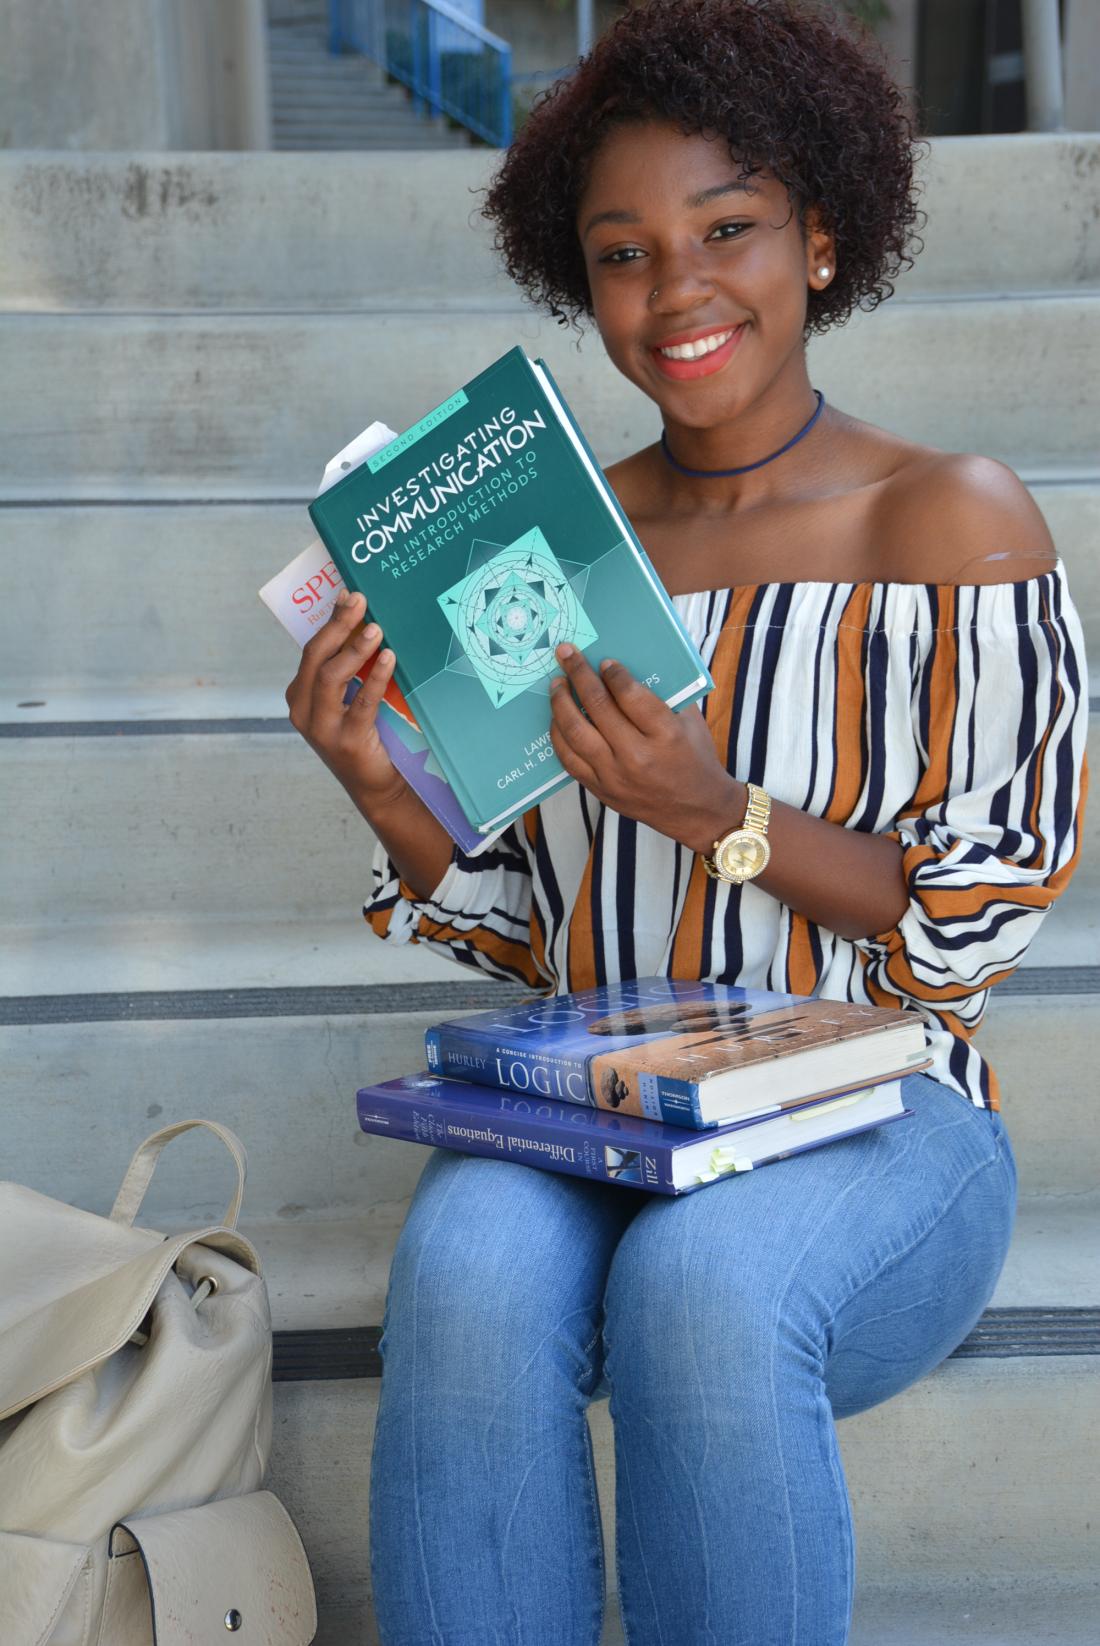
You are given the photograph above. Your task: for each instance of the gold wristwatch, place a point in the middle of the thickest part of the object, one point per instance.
(743, 853)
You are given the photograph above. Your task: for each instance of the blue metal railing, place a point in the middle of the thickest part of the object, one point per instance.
(451, 64)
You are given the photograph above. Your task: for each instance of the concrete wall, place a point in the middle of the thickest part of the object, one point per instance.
(134, 74)
(75, 75)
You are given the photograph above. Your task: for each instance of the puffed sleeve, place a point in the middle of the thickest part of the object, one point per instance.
(478, 915)
(993, 831)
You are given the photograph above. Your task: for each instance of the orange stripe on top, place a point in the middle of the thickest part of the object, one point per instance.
(802, 975)
(849, 774)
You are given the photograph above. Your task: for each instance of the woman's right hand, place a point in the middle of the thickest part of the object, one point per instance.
(346, 738)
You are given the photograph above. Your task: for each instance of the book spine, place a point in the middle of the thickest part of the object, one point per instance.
(472, 1055)
(516, 1133)
(540, 1071)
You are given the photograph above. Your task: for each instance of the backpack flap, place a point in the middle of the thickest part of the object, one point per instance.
(50, 1345)
(198, 1576)
(75, 1287)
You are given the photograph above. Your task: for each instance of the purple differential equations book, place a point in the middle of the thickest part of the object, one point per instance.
(692, 1054)
(611, 1148)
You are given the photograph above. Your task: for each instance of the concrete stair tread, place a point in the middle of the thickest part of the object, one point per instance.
(165, 950)
(151, 951)
(332, 1272)
(281, 1065)
(975, 1615)
(161, 700)
(208, 230)
(341, 143)
(186, 836)
(296, 387)
(161, 633)
(971, 1495)
(347, 140)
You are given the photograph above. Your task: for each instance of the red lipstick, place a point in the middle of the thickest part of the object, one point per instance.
(706, 364)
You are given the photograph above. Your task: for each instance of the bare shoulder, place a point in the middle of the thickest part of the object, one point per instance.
(955, 517)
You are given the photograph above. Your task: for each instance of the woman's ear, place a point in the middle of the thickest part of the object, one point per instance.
(820, 249)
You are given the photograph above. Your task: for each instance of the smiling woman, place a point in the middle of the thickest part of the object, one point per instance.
(880, 803)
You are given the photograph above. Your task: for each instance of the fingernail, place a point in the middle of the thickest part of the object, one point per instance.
(372, 631)
(565, 649)
(608, 663)
(342, 598)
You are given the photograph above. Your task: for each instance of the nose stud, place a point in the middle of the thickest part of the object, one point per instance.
(653, 293)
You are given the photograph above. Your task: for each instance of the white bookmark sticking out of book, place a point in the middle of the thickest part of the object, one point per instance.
(303, 594)
(354, 453)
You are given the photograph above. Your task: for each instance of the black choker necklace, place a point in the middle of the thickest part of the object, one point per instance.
(722, 474)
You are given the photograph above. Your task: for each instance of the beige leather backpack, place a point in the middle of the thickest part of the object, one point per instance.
(135, 1424)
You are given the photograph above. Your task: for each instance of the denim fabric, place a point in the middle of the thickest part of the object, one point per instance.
(731, 1326)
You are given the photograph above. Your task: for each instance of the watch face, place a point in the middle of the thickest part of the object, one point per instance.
(742, 855)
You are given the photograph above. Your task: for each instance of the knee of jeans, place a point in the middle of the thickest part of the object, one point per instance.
(476, 1306)
(683, 1314)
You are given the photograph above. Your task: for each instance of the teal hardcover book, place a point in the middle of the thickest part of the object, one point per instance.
(483, 537)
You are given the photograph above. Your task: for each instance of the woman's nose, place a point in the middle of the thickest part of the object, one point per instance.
(679, 283)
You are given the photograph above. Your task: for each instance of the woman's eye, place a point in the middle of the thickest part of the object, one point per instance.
(625, 254)
(731, 231)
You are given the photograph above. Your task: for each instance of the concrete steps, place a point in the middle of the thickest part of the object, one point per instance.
(1000, 1577)
(323, 101)
(166, 230)
(293, 1073)
(221, 824)
(184, 636)
(187, 340)
(213, 407)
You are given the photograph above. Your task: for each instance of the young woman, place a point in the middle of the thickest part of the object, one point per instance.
(899, 678)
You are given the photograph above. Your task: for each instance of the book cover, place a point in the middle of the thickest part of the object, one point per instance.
(691, 1054)
(609, 1148)
(302, 597)
(482, 538)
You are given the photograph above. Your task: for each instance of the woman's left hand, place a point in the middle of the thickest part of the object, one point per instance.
(638, 756)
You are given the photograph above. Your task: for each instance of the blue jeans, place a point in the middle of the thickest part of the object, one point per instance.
(731, 1326)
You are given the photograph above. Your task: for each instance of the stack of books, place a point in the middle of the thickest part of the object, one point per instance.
(658, 1084)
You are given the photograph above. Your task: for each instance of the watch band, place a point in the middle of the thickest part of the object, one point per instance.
(758, 811)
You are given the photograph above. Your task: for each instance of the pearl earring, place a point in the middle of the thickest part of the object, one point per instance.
(824, 273)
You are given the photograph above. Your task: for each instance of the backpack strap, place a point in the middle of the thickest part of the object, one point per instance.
(140, 1170)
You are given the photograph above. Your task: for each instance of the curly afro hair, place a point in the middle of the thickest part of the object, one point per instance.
(792, 88)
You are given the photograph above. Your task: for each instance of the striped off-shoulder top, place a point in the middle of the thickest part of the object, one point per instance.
(952, 717)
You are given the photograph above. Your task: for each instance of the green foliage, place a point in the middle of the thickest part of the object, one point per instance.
(871, 12)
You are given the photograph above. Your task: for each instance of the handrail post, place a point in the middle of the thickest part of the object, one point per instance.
(417, 73)
(1043, 65)
(586, 27)
(506, 97)
(435, 66)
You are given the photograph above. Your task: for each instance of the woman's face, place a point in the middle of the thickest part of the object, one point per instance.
(727, 256)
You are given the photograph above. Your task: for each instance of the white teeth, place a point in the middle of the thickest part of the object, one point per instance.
(693, 351)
